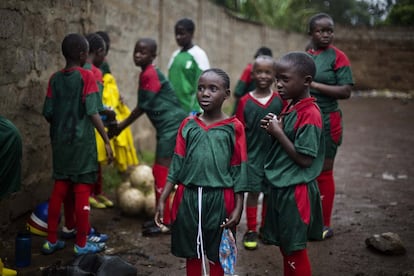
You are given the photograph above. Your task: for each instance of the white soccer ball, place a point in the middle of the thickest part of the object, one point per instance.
(132, 201)
(121, 188)
(142, 178)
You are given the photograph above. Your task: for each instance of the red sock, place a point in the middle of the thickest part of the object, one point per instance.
(160, 178)
(251, 217)
(326, 186)
(193, 267)
(97, 187)
(60, 189)
(296, 264)
(82, 210)
(216, 269)
(264, 209)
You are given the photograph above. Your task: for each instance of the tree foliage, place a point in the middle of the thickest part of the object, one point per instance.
(293, 14)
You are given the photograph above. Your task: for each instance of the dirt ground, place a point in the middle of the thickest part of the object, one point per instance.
(374, 194)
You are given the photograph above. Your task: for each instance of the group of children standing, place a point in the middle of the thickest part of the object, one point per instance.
(274, 144)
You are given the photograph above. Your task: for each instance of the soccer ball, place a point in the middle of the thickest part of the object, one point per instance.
(131, 201)
(142, 178)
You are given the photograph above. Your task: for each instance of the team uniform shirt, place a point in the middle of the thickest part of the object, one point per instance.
(333, 68)
(303, 126)
(184, 69)
(209, 164)
(245, 83)
(250, 111)
(72, 96)
(98, 77)
(210, 156)
(159, 101)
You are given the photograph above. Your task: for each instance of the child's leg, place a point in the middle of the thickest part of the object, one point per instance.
(326, 186)
(69, 209)
(82, 210)
(193, 267)
(160, 178)
(296, 264)
(59, 192)
(216, 269)
(251, 211)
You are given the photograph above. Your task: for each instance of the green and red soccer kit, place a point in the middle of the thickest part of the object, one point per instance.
(159, 101)
(332, 68)
(294, 209)
(250, 111)
(244, 85)
(184, 69)
(209, 164)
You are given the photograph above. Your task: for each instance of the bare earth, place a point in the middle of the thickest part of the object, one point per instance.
(374, 194)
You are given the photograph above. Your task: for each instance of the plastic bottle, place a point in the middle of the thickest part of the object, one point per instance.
(23, 248)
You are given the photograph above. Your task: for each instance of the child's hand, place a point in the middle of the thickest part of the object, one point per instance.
(272, 124)
(109, 153)
(113, 130)
(159, 214)
(232, 220)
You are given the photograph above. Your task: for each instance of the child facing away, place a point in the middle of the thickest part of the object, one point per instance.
(186, 65)
(333, 81)
(209, 167)
(71, 107)
(246, 82)
(295, 159)
(158, 100)
(123, 144)
(251, 109)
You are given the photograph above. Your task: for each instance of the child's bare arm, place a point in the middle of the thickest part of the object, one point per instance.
(97, 122)
(114, 131)
(274, 127)
(159, 213)
(235, 216)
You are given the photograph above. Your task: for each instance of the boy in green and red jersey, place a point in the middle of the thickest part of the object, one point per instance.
(209, 166)
(251, 109)
(186, 65)
(72, 108)
(246, 83)
(333, 81)
(158, 100)
(294, 161)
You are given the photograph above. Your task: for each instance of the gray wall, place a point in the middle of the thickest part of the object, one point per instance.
(32, 32)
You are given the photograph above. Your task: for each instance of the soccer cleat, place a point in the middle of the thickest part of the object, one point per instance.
(96, 204)
(67, 234)
(89, 248)
(106, 201)
(96, 237)
(327, 232)
(250, 240)
(49, 248)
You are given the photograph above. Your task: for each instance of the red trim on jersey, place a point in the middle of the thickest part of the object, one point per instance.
(341, 60)
(180, 146)
(302, 202)
(303, 118)
(246, 76)
(241, 106)
(97, 73)
(240, 148)
(148, 79)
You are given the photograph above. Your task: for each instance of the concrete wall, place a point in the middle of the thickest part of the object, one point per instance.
(32, 32)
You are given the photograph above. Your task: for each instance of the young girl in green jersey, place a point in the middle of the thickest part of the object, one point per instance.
(209, 167)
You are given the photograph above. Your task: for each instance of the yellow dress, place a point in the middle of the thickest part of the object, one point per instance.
(122, 145)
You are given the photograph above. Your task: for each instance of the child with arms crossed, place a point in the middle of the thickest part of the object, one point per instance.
(72, 106)
(209, 166)
(251, 109)
(295, 159)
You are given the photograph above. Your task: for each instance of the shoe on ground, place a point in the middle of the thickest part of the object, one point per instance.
(250, 240)
(96, 237)
(155, 230)
(327, 232)
(149, 223)
(89, 248)
(68, 234)
(105, 200)
(95, 203)
(49, 248)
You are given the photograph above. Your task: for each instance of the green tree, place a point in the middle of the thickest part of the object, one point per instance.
(401, 14)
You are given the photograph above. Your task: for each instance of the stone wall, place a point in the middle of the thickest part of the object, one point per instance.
(32, 32)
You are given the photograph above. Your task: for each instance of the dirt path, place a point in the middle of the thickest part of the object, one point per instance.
(379, 135)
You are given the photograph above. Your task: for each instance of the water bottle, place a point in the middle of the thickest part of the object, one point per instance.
(23, 248)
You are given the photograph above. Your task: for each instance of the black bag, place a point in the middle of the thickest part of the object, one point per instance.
(93, 265)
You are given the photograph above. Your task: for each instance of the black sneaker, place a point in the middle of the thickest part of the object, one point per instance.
(250, 240)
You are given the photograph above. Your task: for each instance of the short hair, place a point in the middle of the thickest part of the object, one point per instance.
(96, 42)
(223, 75)
(263, 51)
(301, 63)
(106, 38)
(152, 44)
(72, 45)
(316, 17)
(187, 23)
